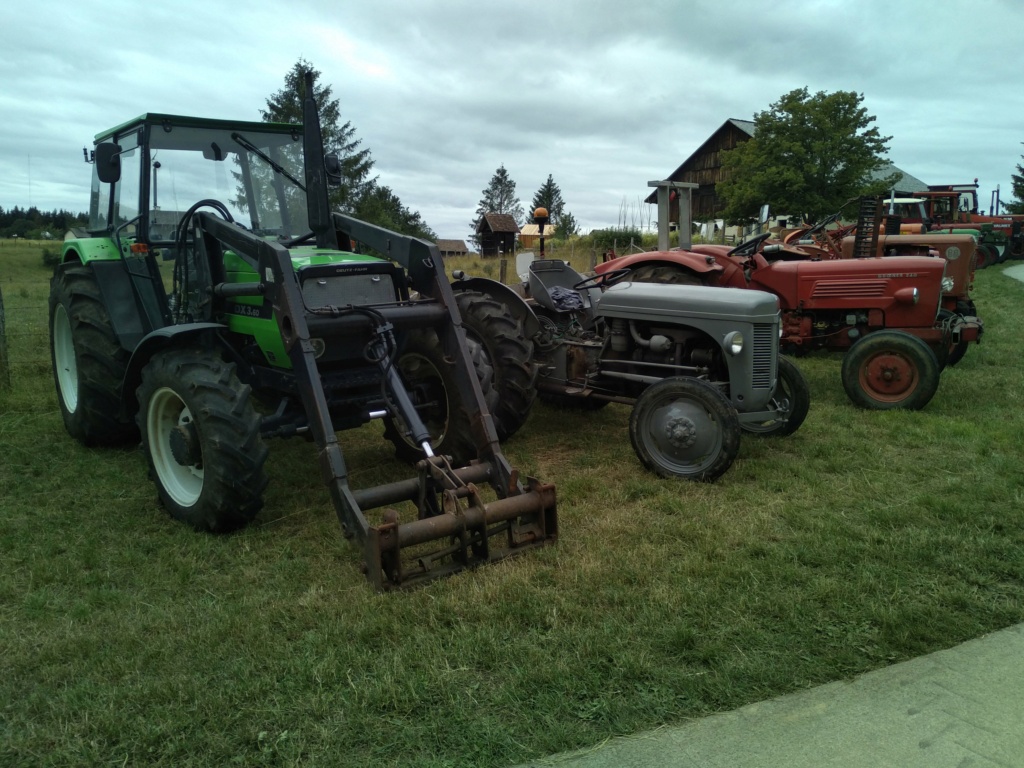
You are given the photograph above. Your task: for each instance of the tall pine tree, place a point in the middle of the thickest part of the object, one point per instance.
(548, 196)
(499, 197)
(1017, 204)
(285, 106)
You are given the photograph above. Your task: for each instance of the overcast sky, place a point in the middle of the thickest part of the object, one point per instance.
(602, 95)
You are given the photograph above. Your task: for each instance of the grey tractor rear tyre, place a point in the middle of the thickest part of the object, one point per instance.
(202, 438)
(792, 398)
(890, 369)
(685, 428)
(501, 341)
(87, 361)
(430, 380)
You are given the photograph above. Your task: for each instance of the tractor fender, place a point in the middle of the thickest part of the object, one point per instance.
(695, 262)
(505, 295)
(172, 335)
(88, 249)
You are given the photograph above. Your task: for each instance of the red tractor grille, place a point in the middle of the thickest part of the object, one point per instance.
(848, 289)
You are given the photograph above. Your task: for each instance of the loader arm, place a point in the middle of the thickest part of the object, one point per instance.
(449, 504)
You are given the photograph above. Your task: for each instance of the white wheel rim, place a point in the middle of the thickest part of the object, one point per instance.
(166, 412)
(64, 359)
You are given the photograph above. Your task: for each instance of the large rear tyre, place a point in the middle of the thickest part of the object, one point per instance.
(499, 339)
(430, 381)
(87, 361)
(792, 400)
(685, 428)
(670, 274)
(890, 369)
(202, 439)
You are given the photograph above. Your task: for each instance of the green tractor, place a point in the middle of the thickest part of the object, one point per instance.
(281, 318)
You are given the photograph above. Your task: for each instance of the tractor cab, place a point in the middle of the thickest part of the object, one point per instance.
(151, 171)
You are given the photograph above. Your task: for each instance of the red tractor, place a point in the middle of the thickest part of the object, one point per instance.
(953, 207)
(885, 313)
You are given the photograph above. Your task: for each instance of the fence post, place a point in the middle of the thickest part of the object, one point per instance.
(502, 270)
(5, 369)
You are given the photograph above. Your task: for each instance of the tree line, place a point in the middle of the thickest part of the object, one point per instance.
(34, 224)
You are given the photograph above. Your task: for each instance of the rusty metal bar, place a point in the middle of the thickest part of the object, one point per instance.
(409, 490)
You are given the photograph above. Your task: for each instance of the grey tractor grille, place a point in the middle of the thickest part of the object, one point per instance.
(765, 342)
(345, 290)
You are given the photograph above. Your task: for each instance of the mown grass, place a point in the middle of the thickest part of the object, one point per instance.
(863, 539)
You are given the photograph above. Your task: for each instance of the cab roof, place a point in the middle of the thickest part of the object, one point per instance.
(180, 121)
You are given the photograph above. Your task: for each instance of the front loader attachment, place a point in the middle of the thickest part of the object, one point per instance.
(465, 515)
(452, 508)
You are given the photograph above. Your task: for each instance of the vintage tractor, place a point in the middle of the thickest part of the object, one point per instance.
(954, 208)
(275, 325)
(698, 365)
(884, 313)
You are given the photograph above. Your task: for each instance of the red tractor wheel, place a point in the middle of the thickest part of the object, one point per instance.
(890, 369)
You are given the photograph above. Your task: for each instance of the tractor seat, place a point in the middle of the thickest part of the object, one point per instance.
(551, 284)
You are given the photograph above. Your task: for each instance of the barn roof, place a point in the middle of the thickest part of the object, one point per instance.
(452, 246)
(498, 222)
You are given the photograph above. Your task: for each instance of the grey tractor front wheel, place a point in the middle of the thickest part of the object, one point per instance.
(791, 399)
(202, 439)
(87, 361)
(890, 369)
(683, 427)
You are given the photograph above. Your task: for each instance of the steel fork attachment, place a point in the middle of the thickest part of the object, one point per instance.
(449, 502)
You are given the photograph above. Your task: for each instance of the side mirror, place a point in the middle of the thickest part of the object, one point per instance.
(333, 167)
(108, 162)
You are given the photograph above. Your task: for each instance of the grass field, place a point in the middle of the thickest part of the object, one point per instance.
(864, 539)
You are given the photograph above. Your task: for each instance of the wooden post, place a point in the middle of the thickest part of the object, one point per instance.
(502, 270)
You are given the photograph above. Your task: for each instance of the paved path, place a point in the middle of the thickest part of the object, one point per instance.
(1017, 271)
(959, 707)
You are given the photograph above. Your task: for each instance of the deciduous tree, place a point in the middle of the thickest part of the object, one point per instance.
(809, 155)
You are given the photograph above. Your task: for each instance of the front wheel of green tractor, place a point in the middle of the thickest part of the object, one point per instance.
(498, 337)
(202, 439)
(430, 380)
(890, 369)
(683, 427)
(88, 363)
(791, 399)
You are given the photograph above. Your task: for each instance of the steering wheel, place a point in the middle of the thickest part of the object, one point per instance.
(749, 248)
(602, 280)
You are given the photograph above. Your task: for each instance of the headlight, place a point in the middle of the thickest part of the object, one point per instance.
(947, 285)
(734, 343)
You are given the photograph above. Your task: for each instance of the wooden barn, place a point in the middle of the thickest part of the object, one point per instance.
(704, 168)
(529, 235)
(496, 233)
(452, 247)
